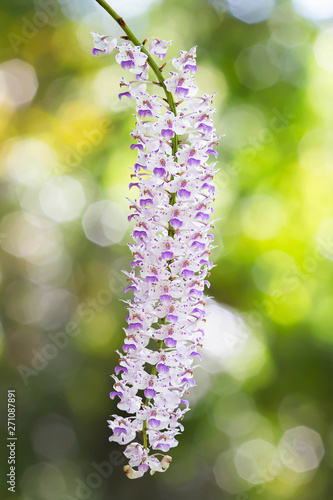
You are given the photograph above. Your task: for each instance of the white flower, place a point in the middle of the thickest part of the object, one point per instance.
(158, 47)
(101, 44)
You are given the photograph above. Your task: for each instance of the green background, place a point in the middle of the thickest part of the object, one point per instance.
(267, 367)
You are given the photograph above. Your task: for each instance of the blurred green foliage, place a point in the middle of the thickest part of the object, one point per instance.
(65, 148)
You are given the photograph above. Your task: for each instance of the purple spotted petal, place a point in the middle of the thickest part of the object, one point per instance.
(159, 172)
(201, 312)
(129, 64)
(135, 326)
(138, 166)
(210, 187)
(181, 91)
(212, 152)
(187, 273)
(96, 51)
(192, 67)
(144, 112)
(198, 245)
(151, 279)
(205, 128)
(129, 347)
(165, 298)
(154, 423)
(193, 162)
(119, 369)
(170, 342)
(125, 94)
(176, 223)
(146, 202)
(150, 393)
(136, 146)
(113, 394)
(161, 368)
(119, 430)
(162, 446)
(143, 468)
(172, 318)
(184, 193)
(135, 263)
(167, 133)
(167, 255)
(202, 216)
(139, 234)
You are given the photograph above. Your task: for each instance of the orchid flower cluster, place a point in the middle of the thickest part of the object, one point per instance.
(171, 248)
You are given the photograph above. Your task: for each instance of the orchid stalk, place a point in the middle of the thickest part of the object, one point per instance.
(175, 140)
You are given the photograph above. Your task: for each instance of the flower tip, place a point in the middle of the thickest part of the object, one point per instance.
(130, 473)
(165, 462)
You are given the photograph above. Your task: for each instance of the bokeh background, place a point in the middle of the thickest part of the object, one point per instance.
(261, 421)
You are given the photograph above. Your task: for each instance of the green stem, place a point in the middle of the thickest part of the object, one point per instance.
(153, 372)
(172, 106)
(150, 60)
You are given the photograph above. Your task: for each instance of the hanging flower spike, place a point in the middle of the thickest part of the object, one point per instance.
(171, 249)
